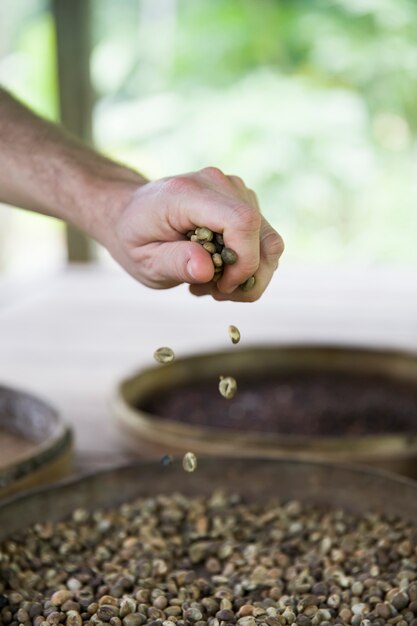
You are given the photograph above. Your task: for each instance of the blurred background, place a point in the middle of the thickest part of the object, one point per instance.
(312, 102)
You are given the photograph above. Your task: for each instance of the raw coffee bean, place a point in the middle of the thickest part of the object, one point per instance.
(245, 610)
(56, 617)
(108, 600)
(73, 619)
(164, 355)
(204, 234)
(400, 600)
(69, 605)
(234, 334)
(61, 596)
(134, 619)
(217, 260)
(248, 284)
(225, 615)
(189, 462)
(227, 387)
(22, 615)
(106, 611)
(210, 247)
(229, 256)
(193, 615)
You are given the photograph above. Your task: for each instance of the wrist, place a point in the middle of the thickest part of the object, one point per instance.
(104, 192)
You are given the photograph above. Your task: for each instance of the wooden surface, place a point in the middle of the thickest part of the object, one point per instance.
(71, 336)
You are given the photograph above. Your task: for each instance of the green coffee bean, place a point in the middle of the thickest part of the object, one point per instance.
(164, 355)
(227, 387)
(229, 256)
(189, 462)
(234, 333)
(248, 284)
(210, 247)
(217, 260)
(204, 234)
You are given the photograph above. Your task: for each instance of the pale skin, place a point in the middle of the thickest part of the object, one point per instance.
(142, 223)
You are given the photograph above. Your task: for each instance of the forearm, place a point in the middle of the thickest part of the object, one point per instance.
(142, 224)
(44, 169)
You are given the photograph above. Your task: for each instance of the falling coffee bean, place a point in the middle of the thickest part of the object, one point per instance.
(227, 387)
(164, 355)
(189, 462)
(234, 334)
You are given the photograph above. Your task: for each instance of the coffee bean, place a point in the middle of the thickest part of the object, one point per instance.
(204, 234)
(189, 462)
(229, 256)
(210, 247)
(234, 334)
(248, 284)
(217, 260)
(227, 387)
(225, 615)
(164, 355)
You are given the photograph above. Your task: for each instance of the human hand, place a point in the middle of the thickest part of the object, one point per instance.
(148, 236)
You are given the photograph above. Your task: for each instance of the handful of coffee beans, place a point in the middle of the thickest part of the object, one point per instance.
(221, 255)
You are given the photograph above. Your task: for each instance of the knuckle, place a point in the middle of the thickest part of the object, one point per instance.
(248, 218)
(237, 181)
(254, 198)
(273, 244)
(213, 172)
(179, 185)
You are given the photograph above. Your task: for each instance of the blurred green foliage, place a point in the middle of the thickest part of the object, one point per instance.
(27, 67)
(312, 102)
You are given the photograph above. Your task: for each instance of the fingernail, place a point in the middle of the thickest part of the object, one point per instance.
(190, 270)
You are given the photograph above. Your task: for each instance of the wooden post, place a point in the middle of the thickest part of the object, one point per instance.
(72, 22)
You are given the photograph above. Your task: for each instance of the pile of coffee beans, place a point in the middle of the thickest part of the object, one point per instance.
(172, 560)
(221, 255)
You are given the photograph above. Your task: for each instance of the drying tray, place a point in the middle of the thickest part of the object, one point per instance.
(355, 489)
(35, 443)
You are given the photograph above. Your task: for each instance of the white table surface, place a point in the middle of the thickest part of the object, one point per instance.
(72, 335)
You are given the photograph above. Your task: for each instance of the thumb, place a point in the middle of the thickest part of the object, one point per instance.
(184, 262)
